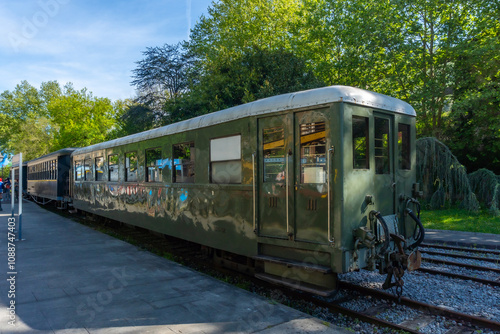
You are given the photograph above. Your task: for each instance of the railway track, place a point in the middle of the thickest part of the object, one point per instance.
(460, 256)
(435, 310)
(461, 264)
(461, 249)
(459, 276)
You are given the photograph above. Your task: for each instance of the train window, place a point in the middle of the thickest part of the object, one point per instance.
(99, 169)
(274, 154)
(225, 160)
(313, 153)
(113, 167)
(79, 175)
(153, 163)
(88, 169)
(184, 163)
(131, 167)
(404, 146)
(382, 159)
(360, 148)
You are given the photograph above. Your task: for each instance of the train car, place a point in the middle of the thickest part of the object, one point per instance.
(49, 177)
(15, 168)
(298, 187)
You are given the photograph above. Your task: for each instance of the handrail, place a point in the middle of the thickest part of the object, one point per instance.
(287, 195)
(254, 194)
(331, 151)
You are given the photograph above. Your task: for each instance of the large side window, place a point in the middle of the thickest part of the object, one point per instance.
(184, 163)
(79, 175)
(382, 158)
(313, 153)
(225, 160)
(99, 169)
(153, 163)
(360, 148)
(131, 166)
(88, 169)
(113, 167)
(404, 146)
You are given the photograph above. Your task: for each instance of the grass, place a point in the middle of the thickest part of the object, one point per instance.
(461, 220)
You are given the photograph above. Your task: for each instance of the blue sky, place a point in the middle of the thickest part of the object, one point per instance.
(92, 43)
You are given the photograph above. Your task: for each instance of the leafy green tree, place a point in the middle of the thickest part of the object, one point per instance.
(137, 118)
(20, 112)
(257, 74)
(233, 28)
(473, 129)
(38, 121)
(82, 118)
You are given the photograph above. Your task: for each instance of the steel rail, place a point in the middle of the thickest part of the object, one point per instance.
(436, 310)
(463, 249)
(463, 277)
(459, 256)
(358, 315)
(458, 264)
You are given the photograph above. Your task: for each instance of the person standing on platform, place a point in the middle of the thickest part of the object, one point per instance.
(7, 186)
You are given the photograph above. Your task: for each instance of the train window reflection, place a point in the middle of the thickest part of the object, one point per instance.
(153, 163)
(88, 169)
(360, 148)
(99, 169)
(79, 175)
(184, 163)
(313, 153)
(404, 146)
(382, 162)
(274, 154)
(113, 167)
(131, 167)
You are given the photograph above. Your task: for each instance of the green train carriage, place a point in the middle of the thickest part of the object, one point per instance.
(303, 185)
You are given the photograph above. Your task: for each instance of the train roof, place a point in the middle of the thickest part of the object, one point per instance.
(312, 97)
(64, 151)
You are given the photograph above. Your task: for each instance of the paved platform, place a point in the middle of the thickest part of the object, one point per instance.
(457, 238)
(72, 279)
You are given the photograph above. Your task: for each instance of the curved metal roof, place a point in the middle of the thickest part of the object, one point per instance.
(268, 105)
(64, 151)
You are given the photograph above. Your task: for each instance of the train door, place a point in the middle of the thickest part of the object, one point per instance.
(311, 160)
(384, 186)
(293, 182)
(276, 172)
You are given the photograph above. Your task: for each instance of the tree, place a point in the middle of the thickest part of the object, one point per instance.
(82, 119)
(24, 115)
(256, 74)
(161, 75)
(234, 28)
(473, 130)
(38, 121)
(137, 118)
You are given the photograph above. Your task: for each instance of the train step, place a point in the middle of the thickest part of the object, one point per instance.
(291, 263)
(297, 285)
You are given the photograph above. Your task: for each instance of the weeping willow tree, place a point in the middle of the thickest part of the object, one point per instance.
(444, 180)
(486, 186)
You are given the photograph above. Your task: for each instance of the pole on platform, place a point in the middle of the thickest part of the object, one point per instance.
(12, 190)
(20, 196)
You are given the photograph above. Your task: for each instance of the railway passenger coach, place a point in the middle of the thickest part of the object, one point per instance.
(296, 187)
(48, 176)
